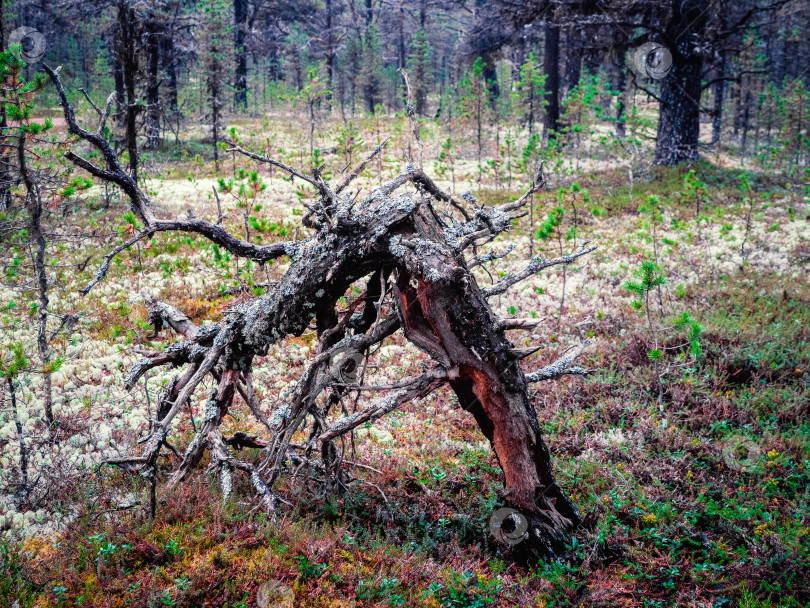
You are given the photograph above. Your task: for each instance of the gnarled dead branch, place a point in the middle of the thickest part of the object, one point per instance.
(411, 261)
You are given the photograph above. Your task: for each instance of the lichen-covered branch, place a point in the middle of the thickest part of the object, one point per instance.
(536, 265)
(401, 249)
(561, 366)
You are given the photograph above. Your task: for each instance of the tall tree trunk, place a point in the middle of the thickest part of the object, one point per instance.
(127, 22)
(330, 52)
(5, 174)
(745, 124)
(401, 49)
(621, 87)
(737, 95)
(152, 124)
(118, 80)
(35, 209)
(273, 60)
(215, 100)
(491, 79)
(719, 90)
(551, 63)
(169, 59)
(573, 58)
(679, 114)
(240, 54)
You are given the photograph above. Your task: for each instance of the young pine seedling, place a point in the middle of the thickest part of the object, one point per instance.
(551, 228)
(650, 277)
(652, 209)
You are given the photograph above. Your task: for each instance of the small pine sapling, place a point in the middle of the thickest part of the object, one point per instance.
(570, 196)
(551, 228)
(650, 277)
(445, 163)
(528, 158)
(579, 108)
(637, 129)
(694, 191)
(348, 141)
(509, 150)
(652, 209)
(312, 93)
(244, 188)
(748, 199)
(475, 105)
(530, 91)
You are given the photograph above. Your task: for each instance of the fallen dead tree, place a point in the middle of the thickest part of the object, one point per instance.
(411, 247)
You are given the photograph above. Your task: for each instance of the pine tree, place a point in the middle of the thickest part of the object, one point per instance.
(371, 72)
(474, 103)
(530, 91)
(419, 68)
(213, 61)
(792, 136)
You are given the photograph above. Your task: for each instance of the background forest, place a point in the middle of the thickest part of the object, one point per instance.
(630, 182)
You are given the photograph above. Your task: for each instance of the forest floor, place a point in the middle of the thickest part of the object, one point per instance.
(676, 514)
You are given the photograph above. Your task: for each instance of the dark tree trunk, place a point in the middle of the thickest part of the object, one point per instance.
(737, 95)
(551, 62)
(745, 123)
(273, 60)
(621, 87)
(679, 112)
(330, 52)
(215, 101)
(719, 90)
(120, 93)
(573, 59)
(170, 65)
(679, 115)
(240, 54)
(491, 79)
(34, 200)
(152, 125)
(401, 49)
(127, 22)
(5, 173)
